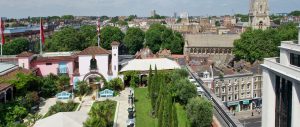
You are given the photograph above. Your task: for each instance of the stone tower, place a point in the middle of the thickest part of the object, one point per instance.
(259, 14)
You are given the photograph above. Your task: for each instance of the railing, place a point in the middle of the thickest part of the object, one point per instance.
(220, 110)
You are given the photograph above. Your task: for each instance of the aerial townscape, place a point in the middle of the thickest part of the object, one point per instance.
(104, 63)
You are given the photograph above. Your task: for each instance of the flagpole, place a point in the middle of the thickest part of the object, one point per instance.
(41, 46)
(1, 49)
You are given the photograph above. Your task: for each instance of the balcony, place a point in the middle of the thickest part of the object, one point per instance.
(274, 65)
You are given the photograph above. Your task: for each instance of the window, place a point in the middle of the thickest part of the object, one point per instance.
(254, 95)
(23, 65)
(248, 86)
(243, 87)
(93, 63)
(217, 90)
(48, 63)
(229, 81)
(255, 86)
(235, 97)
(229, 89)
(236, 88)
(223, 89)
(295, 59)
(229, 98)
(223, 98)
(283, 104)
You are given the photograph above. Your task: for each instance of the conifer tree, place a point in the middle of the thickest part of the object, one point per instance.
(149, 81)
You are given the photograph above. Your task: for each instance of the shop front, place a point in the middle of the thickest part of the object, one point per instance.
(246, 105)
(233, 106)
(257, 102)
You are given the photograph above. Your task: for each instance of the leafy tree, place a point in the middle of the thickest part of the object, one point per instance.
(62, 82)
(131, 17)
(115, 84)
(48, 87)
(200, 112)
(61, 107)
(258, 44)
(89, 32)
(122, 23)
(114, 19)
(110, 34)
(295, 13)
(24, 83)
(243, 17)
(67, 39)
(217, 23)
(16, 46)
(83, 88)
(183, 90)
(16, 113)
(67, 17)
(159, 37)
(134, 39)
(101, 114)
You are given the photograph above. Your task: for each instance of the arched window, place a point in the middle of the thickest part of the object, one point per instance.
(260, 24)
(93, 64)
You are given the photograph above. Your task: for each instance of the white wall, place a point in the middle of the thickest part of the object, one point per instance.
(115, 61)
(84, 65)
(24, 61)
(284, 57)
(295, 104)
(269, 98)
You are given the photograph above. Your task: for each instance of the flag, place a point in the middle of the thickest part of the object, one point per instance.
(42, 37)
(98, 31)
(2, 31)
(98, 26)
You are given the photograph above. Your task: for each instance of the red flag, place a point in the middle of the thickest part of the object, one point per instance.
(2, 31)
(42, 37)
(98, 26)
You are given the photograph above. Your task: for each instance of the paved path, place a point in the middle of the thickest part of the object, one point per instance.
(246, 118)
(122, 114)
(87, 102)
(46, 105)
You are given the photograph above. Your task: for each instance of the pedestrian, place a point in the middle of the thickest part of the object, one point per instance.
(252, 113)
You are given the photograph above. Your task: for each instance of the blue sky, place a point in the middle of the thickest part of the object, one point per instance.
(24, 8)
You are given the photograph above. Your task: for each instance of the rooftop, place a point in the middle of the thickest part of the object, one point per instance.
(5, 68)
(94, 50)
(144, 64)
(210, 40)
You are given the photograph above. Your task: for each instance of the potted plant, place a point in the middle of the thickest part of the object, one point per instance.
(80, 98)
(93, 97)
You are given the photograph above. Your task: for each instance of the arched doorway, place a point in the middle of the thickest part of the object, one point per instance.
(260, 25)
(95, 79)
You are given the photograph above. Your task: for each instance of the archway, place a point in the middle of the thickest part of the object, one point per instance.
(95, 79)
(93, 64)
(260, 24)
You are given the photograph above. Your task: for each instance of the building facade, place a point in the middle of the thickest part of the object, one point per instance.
(281, 90)
(259, 14)
(237, 91)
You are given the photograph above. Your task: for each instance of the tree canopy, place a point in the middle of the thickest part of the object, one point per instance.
(16, 46)
(160, 37)
(134, 39)
(109, 34)
(258, 44)
(199, 112)
(295, 13)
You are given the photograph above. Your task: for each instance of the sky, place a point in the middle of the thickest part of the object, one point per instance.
(25, 8)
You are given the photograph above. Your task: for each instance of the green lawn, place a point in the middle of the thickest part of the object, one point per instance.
(143, 108)
(181, 116)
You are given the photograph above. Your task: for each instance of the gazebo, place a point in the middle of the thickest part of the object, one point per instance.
(106, 93)
(64, 95)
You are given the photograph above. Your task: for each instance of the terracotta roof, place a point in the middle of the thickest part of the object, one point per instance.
(25, 54)
(94, 50)
(4, 86)
(55, 58)
(115, 43)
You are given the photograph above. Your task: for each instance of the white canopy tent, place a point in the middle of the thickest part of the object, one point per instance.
(144, 64)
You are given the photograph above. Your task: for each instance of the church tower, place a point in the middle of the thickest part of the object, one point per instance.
(259, 14)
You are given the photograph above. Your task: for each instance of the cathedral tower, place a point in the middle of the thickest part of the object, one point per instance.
(259, 14)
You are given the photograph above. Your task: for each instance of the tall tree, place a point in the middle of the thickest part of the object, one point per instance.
(159, 37)
(67, 39)
(134, 39)
(258, 44)
(16, 46)
(200, 112)
(109, 34)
